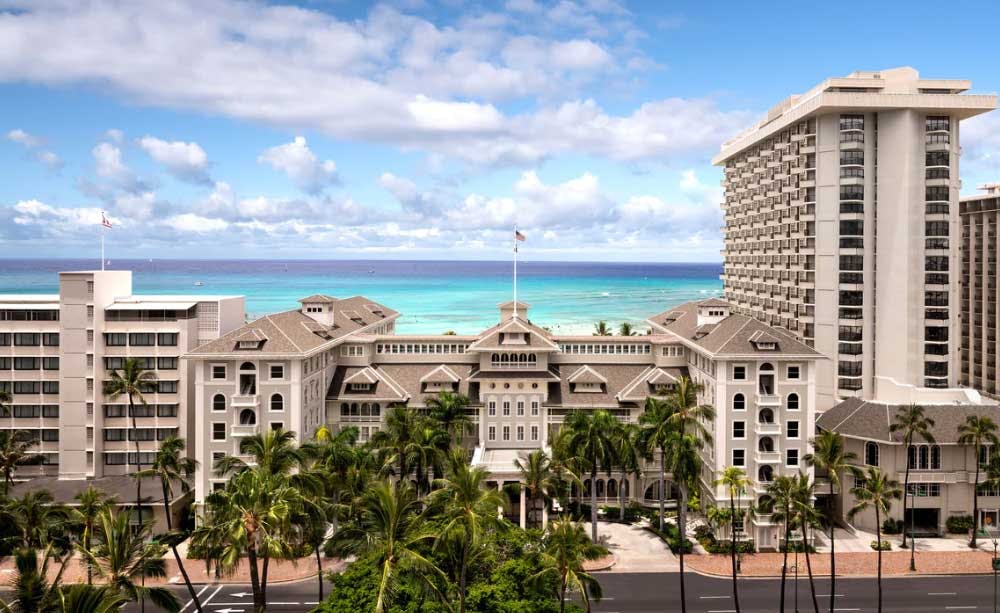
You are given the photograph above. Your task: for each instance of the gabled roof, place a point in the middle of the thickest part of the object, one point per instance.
(317, 298)
(539, 339)
(638, 388)
(731, 336)
(441, 374)
(714, 302)
(365, 375)
(510, 305)
(865, 420)
(586, 374)
(659, 376)
(250, 334)
(383, 387)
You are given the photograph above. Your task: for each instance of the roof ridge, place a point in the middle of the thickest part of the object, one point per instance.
(723, 344)
(850, 415)
(282, 332)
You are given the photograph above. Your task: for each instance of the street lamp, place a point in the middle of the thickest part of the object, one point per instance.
(995, 543)
(913, 540)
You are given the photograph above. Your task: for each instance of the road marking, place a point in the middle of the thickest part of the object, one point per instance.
(827, 595)
(847, 609)
(723, 611)
(955, 608)
(209, 599)
(285, 603)
(199, 593)
(940, 593)
(712, 597)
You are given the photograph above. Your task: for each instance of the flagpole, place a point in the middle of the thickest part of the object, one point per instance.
(515, 270)
(102, 240)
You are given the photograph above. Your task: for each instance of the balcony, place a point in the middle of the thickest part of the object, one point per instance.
(245, 400)
(768, 400)
(767, 428)
(241, 430)
(768, 457)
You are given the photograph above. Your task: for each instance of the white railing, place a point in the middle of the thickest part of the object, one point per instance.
(768, 457)
(243, 430)
(768, 400)
(245, 400)
(767, 428)
(513, 365)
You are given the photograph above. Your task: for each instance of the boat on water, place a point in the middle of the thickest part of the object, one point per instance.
(199, 283)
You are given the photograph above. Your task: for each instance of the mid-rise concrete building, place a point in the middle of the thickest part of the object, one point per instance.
(841, 222)
(340, 362)
(980, 216)
(57, 350)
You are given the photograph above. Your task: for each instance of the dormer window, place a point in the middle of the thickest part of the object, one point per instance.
(248, 344)
(763, 341)
(587, 388)
(359, 387)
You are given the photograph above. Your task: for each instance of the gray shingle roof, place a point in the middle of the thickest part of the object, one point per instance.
(733, 335)
(121, 487)
(871, 420)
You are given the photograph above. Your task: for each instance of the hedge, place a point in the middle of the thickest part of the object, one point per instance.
(959, 524)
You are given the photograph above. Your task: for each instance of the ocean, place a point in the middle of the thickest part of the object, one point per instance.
(433, 296)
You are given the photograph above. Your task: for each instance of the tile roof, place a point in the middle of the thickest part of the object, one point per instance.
(617, 377)
(400, 382)
(122, 487)
(733, 335)
(638, 389)
(295, 332)
(538, 338)
(858, 418)
(317, 298)
(586, 374)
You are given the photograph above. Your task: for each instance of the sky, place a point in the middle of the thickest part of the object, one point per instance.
(423, 129)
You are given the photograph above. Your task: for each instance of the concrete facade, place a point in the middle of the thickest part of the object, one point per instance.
(980, 252)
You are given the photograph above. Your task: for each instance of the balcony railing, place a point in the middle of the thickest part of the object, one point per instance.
(767, 428)
(768, 457)
(245, 400)
(239, 430)
(768, 400)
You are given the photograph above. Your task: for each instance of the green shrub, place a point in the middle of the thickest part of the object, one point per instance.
(885, 546)
(725, 546)
(672, 537)
(797, 547)
(892, 526)
(959, 524)
(703, 531)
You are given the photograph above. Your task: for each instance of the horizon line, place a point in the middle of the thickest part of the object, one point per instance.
(220, 259)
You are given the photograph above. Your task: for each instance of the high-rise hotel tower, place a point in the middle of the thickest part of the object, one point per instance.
(841, 224)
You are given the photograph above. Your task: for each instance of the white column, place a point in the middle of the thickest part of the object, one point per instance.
(524, 509)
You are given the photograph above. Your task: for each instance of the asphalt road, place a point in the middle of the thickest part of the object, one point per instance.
(659, 592)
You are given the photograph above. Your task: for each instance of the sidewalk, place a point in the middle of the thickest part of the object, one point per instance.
(853, 564)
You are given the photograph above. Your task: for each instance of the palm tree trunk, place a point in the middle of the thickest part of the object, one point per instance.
(878, 541)
(461, 580)
(784, 564)
(258, 598)
(87, 539)
(621, 496)
(906, 488)
(319, 572)
(138, 487)
(593, 504)
(809, 568)
(681, 512)
(833, 559)
(732, 548)
(975, 503)
(663, 470)
(173, 548)
(263, 575)
(562, 597)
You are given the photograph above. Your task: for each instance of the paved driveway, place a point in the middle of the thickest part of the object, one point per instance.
(637, 550)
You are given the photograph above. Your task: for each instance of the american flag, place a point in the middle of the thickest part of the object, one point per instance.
(105, 221)
(518, 236)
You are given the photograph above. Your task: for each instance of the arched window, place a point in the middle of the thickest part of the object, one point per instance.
(531, 358)
(495, 358)
(277, 402)
(765, 474)
(248, 417)
(218, 402)
(766, 366)
(871, 453)
(376, 409)
(247, 366)
(935, 457)
(345, 409)
(766, 444)
(793, 402)
(765, 416)
(739, 402)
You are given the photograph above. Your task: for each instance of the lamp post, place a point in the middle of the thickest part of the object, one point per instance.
(995, 543)
(797, 579)
(913, 539)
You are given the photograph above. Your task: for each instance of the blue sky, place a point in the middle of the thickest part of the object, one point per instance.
(422, 128)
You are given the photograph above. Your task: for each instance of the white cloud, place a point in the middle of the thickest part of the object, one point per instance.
(186, 161)
(115, 135)
(387, 78)
(189, 222)
(108, 161)
(297, 160)
(34, 144)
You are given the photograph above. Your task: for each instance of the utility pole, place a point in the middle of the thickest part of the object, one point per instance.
(913, 539)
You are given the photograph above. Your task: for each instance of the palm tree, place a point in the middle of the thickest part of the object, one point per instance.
(626, 329)
(448, 409)
(685, 464)
(590, 439)
(782, 493)
(132, 381)
(90, 503)
(627, 451)
(735, 480)
(565, 547)
(251, 515)
(392, 440)
(37, 519)
(566, 466)
(89, 599)
(806, 516)
(391, 530)
(977, 430)
(14, 447)
(31, 585)
(537, 478)
(876, 491)
(467, 510)
(425, 452)
(123, 554)
(601, 329)
(171, 466)
(655, 430)
(829, 456)
(687, 413)
(911, 422)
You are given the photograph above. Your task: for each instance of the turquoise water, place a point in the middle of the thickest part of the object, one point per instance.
(433, 296)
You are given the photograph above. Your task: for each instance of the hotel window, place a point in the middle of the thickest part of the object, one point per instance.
(166, 387)
(520, 407)
(534, 407)
(50, 339)
(166, 339)
(491, 433)
(792, 402)
(218, 431)
(52, 387)
(852, 158)
(506, 407)
(27, 339)
(791, 457)
(277, 402)
(871, 453)
(141, 339)
(739, 429)
(534, 433)
(166, 410)
(739, 402)
(218, 402)
(925, 490)
(792, 372)
(277, 372)
(739, 457)
(793, 429)
(739, 373)
(520, 433)
(219, 371)
(506, 433)
(492, 407)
